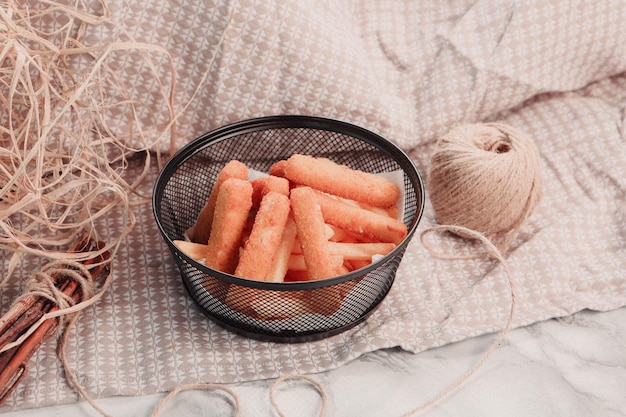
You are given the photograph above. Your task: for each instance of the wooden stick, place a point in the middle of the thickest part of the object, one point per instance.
(23, 314)
(25, 320)
(17, 367)
(26, 303)
(14, 362)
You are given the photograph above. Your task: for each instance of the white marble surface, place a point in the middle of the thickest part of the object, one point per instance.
(570, 367)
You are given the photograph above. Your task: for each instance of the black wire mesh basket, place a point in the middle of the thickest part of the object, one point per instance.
(281, 312)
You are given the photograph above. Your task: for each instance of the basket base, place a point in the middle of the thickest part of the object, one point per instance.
(284, 336)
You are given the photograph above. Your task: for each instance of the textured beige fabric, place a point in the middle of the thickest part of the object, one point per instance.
(409, 71)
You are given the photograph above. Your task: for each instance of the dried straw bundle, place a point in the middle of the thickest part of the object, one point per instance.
(62, 162)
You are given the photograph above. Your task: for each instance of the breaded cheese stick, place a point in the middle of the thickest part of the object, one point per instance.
(263, 185)
(233, 203)
(240, 298)
(331, 233)
(311, 233)
(202, 228)
(296, 262)
(265, 238)
(278, 168)
(328, 176)
(360, 221)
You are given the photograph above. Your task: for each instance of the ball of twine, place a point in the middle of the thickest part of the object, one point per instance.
(485, 177)
(484, 182)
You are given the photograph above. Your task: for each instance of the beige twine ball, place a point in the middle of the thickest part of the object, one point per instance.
(485, 177)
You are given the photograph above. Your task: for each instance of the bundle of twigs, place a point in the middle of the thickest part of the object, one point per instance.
(31, 319)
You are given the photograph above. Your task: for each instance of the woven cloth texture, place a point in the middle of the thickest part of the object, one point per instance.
(410, 71)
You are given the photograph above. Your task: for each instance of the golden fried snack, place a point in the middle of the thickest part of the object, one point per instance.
(267, 305)
(202, 228)
(326, 300)
(263, 185)
(356, 264)
(336, 234)
(311, 233)
(234, 201)
(360, 221)
(258, 251)
(280, 263)
(197, 252)
(346, 256)
(325, 175)
(293, 275)
(332, 233)
(278, 168)
(386, 211)
(297, 262)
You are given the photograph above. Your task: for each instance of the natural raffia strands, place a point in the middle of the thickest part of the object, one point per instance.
(66, 120)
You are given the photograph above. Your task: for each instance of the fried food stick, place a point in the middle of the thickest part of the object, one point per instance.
(360, 221)
(280, 263)
(280, 306)
(267, 232)
(278, 168)
(232, 206)
(311, 234)
(296, 262)
(263, 185)
(326, 175)
(202, 228)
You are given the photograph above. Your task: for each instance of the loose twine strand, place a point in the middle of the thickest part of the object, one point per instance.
(213, 387)
(235, 399)
(491, 251)
(318, 387)
(484, 182)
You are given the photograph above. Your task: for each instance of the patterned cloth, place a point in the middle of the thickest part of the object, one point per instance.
(409, 71)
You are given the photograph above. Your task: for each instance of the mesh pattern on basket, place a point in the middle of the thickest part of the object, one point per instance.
(287, 312)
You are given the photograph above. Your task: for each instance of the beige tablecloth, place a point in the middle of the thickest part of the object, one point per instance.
(409, 71)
